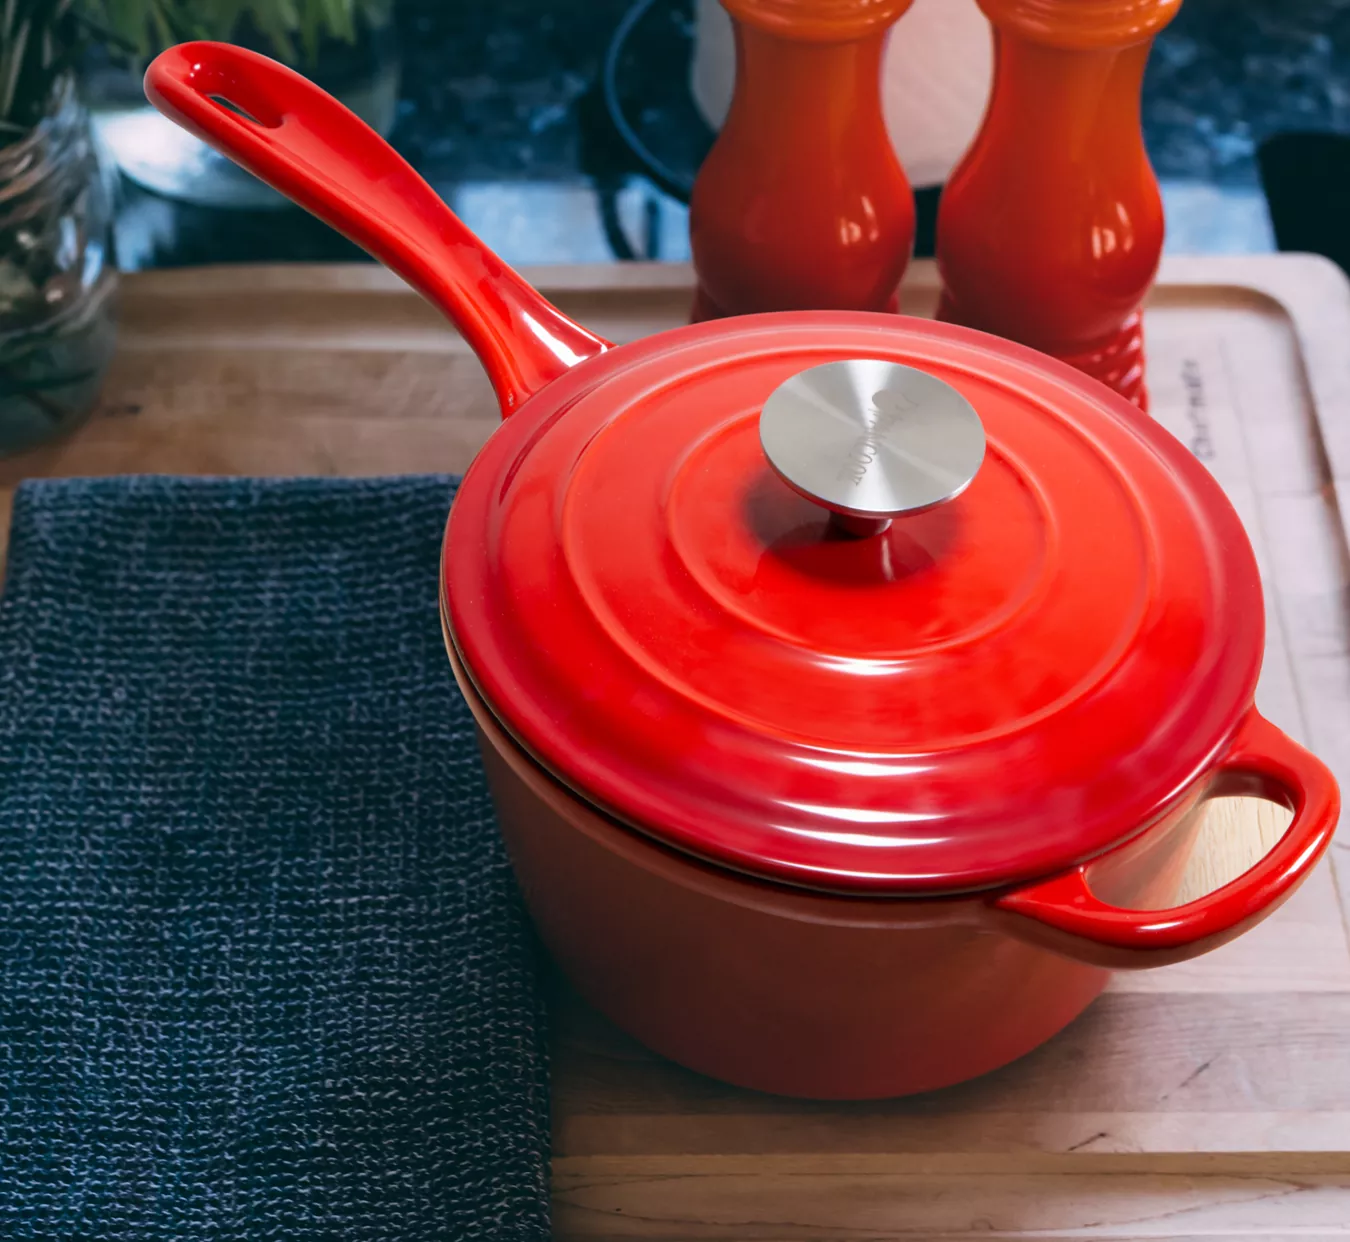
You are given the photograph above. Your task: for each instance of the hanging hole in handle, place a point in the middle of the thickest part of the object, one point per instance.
(271, 121)
(1219, 839)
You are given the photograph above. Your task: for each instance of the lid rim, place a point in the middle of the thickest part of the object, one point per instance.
(745, 871)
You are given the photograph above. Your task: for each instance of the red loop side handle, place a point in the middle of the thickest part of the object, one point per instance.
(1063, 914)
(305, 144)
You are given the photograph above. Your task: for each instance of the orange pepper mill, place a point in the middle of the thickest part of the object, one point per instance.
(802, 204)
(1050, 229)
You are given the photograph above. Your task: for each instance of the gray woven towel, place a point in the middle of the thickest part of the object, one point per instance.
(263, 973)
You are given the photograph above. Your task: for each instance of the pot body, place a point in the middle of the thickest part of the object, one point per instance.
(788, 991)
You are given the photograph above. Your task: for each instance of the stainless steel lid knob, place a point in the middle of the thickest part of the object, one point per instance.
(871, 440)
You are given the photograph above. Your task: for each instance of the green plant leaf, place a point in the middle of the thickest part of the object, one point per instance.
(9, 82)
(340, 18)
(161, 23)
(40, 39)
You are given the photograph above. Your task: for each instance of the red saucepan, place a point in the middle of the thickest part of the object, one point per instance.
(847, 683)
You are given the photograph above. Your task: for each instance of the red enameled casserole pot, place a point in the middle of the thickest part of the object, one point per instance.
(815, 803)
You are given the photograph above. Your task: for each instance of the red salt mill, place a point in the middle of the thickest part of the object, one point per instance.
(1051, 228)
(801, 203)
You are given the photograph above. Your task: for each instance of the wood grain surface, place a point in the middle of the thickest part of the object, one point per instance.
(1210, 1099)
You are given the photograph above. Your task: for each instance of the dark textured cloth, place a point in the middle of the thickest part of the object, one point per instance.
(263, 971)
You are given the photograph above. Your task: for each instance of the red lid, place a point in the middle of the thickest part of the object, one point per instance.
(988, 691)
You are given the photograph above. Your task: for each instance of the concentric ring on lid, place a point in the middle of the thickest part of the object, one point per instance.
(987, 691)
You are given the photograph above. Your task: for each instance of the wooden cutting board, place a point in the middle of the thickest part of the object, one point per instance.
(1209, 1100)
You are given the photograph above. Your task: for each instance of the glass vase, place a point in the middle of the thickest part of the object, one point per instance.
(58, 280)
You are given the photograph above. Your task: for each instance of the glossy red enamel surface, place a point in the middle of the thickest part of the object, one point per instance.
(801, 202)
(991, 694)
(1051, 227)
(309, 147)
(988, 692)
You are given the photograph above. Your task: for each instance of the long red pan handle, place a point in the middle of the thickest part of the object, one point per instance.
(302, 142)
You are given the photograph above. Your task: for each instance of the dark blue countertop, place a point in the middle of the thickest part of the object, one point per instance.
(1227, 74)
(500, 109)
